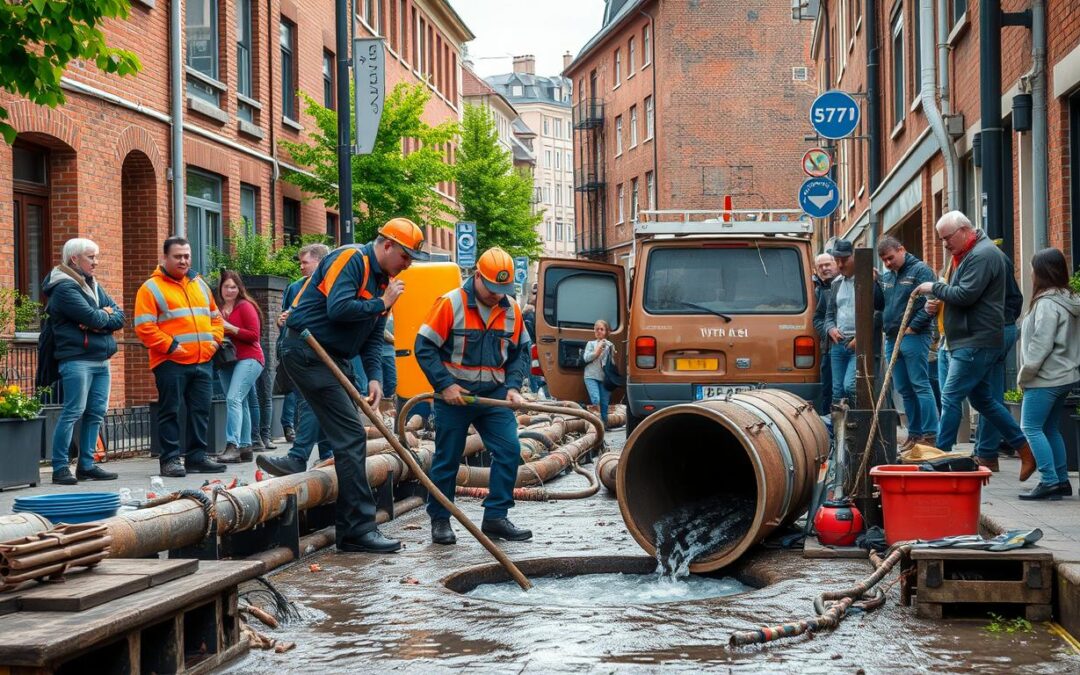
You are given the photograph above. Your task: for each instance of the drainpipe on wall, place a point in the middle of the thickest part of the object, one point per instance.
(943, 56)
(929, 104)
(873, 108)
(990, 206)
(176, 80)
(1039, 178)
(276, 174)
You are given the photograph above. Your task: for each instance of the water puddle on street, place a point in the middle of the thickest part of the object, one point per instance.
(609, 590)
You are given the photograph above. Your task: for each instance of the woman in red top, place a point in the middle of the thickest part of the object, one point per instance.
(243, 326)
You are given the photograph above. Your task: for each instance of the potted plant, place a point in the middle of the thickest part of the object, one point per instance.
(1013, 399)
(21, 430)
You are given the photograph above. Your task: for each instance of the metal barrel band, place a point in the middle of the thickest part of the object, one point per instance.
(785, 450)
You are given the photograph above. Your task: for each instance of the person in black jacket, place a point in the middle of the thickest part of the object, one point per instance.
(83, 318)
(825, 267)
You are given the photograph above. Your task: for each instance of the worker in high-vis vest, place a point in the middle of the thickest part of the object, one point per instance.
(344, 305)
(178, 322)
(473, 341)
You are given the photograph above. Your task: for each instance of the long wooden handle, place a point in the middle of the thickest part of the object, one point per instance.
(410, 462)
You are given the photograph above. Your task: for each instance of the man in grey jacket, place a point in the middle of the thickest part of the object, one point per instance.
(973, 302)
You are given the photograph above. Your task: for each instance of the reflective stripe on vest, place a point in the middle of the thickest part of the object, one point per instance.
(332, 274)
(459, 334)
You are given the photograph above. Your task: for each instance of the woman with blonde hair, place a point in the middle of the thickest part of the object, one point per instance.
(597, 354)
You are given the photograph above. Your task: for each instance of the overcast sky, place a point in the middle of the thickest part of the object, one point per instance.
(505, 28)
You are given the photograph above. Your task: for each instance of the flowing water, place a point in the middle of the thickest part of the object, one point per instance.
(699, 529)
(608, 590)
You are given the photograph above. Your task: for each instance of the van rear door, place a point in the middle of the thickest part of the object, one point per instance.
(571, 296)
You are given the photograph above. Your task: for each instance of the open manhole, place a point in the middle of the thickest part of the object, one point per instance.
(602, 581)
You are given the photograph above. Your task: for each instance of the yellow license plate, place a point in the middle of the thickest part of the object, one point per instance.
(697, 364)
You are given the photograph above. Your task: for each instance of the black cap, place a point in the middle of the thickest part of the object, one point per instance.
(842, 249)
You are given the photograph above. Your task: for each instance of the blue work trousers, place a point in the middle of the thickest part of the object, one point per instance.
(970, 372)
(911, 378)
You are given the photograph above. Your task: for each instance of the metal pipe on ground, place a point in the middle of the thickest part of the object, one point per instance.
(607, 470)
(18, 525)
(765, 445)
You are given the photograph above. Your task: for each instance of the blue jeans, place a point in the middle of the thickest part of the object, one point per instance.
(498, 429)
(86, 398)
(988, 438)
(970, 372)
(598, 395)
(536, 385)
(308, 432)
(238, 383)
(254, 411)
(389, 375)
(842, 362)
(825, 369)
(288, 410)
(1039, 418)
(911, 377)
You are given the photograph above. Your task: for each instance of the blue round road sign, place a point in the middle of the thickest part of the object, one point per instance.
(819, 197)
(834, 114)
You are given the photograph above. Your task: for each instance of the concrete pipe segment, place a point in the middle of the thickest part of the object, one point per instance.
(766, 445)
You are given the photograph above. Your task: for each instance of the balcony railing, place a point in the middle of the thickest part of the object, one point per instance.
(589, 114)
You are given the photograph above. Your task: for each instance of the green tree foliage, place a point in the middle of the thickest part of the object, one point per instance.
(38, 38)
(491, 192)
(387, 183)
(253, 254)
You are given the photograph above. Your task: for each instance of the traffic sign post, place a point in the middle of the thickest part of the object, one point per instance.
(834, 114)
(819, 197)
(817, 162)
(465, 237)
(521, 273)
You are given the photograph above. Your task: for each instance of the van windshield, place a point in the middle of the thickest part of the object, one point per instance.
(751, 280)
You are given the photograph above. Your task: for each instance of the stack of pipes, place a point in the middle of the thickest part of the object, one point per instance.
(51, 553)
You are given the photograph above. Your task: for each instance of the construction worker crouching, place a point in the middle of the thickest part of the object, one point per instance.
(473, 342)
(344, 305)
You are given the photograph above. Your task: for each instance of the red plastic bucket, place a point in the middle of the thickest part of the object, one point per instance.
(929, 504)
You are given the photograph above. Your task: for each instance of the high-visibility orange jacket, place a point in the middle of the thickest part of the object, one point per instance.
(173, 312)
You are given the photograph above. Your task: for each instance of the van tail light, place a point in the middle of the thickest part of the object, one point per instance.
(804, 352)
(645, 352)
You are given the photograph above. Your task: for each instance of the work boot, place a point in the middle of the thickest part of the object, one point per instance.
(173, 469)
(282, 465)
(205, 466)
(1042, 491)
(63, 477)
(268, 444)
(928, 439)
(989, 462)
(441, 532)
(257, 445)
(235, 455)
(909, 443)
(95, 473)
(370, 542)
(290, 434)
(1065, 488)
(1027, 461)
(502, 528)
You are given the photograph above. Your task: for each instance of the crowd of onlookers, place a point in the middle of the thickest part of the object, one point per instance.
(963, 320)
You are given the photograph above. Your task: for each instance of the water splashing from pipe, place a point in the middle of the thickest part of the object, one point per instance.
(699, 529)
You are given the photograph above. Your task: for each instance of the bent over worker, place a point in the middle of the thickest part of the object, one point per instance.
(344, 305)
(473, 342)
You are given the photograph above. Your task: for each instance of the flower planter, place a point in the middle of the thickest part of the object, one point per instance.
(1014, 409)
(20, 451)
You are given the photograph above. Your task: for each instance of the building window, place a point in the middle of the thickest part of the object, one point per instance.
(621, 197)
(547, 194)
(633, 126)
(631, 57)
(959, 9)
(650, 122)
(547, 159)
(569, 164)
(332, 226)
(415, 23)
(650, 190)
(516, 91)
(558, 128)
(547, 132)
(558, 195)
(634, 199)
(203, 204)
(243, 58)
(916, 21)
(249, 197)
(290, 224)
(558, 160)
(898, 66)
(558, 231)
(328, 73)
(646, 46)
(201, 37)
(31, 222)
(618, 67)
(288, 70)
(547, 227)
(618, 135)
(371, 14)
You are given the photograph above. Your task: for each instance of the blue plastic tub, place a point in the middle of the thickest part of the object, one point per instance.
(71, 508)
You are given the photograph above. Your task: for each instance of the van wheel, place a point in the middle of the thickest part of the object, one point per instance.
(632, 421)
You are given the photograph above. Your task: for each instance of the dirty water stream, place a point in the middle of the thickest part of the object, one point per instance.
(367, 613)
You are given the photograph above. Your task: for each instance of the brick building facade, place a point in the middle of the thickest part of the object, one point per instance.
(678, 105)
(100, 166)
(914, 188)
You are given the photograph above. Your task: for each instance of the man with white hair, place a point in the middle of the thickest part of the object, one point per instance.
(824, 273)
(82, 318)
(972, 316)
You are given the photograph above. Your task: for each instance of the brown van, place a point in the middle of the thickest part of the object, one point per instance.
(715, 307)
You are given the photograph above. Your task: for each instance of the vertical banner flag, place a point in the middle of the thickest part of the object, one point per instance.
(369, 80)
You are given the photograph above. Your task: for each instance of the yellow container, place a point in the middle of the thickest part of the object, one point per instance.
(424, 284)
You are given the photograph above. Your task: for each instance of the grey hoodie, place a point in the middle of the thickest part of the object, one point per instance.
(1050, 341)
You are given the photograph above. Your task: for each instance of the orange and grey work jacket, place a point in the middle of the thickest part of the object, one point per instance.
(480, 348)
(173, 312)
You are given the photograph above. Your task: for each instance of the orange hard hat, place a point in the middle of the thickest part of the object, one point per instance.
(496, 268)
(408, 234)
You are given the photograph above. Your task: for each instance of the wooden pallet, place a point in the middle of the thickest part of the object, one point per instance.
(947, 578)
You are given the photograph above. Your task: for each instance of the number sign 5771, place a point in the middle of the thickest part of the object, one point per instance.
(834, 114)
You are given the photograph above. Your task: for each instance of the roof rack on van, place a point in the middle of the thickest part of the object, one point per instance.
(792, 222)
